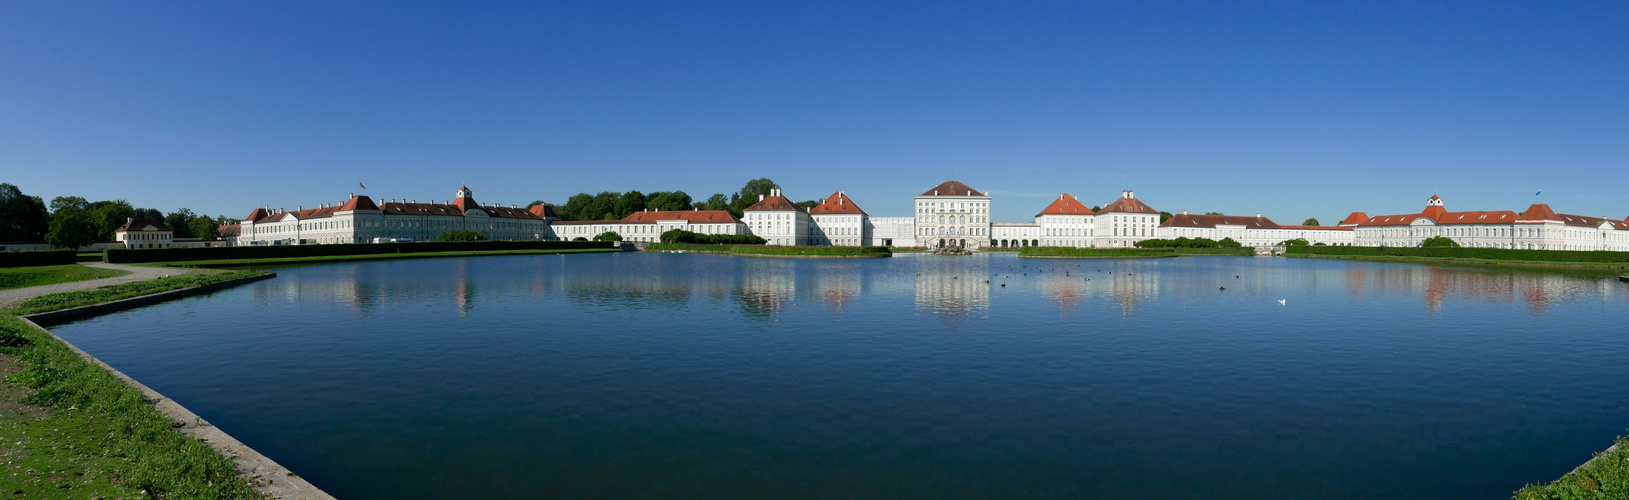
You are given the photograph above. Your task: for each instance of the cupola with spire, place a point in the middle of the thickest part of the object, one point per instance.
(465, 200)
(1434, 208)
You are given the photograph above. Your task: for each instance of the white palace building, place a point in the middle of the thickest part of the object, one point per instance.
(951, 214)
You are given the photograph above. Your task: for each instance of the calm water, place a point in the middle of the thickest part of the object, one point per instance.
(660, 376)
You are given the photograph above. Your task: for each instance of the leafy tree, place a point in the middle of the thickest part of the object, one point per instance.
(460, 235)
(22, 217)
(749, 194)
(1097, 208)
(809, 203)
(1228, 243)
(1214, 213)
(108, 216)
(1164, 216)
(69, 201)
(682, 236)
(535, 203)
(718, 202)
(149, 213)
(205, 227)
(181, 222)
(71, 228)
(628, 203)
(1296, 242)
(664, 200)
(1438, 242)
(608, 236)
(1310, 222)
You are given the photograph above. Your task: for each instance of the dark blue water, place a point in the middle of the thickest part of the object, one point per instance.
(696, 376)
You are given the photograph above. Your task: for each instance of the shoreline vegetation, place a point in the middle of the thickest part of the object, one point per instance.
(74, 429)
(1605, 476)
(23, 277)
(1586, 259)
(776, 251)
(1126, 253)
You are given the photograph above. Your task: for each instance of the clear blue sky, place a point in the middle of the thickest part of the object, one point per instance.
(1294, 110)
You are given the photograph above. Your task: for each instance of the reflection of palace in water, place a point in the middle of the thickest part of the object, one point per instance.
(1536, 290)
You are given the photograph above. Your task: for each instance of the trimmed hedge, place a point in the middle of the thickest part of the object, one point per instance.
(1128, 252)
(682, 236)
(808, 251)
(38, 258)
(119, 255)
(1501, 254)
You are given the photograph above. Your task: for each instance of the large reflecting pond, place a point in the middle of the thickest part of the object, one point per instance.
(697, 376)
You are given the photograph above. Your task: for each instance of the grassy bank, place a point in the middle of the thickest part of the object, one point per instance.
(1125, 253)
(777, 251)
(20, 277)
(1502, 256)
(74, 430)
(1607, 476)
(231, 263)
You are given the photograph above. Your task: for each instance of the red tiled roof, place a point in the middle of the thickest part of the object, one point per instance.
(582, 222)
(1128, 205)
(692, 216)
(358, 203)
(140, 224)
(544, 211)
(1320, 228)
(1066, 204)
(1587, 221)
(1481, 217)
(952, 188)
(774, 202)
(1435, 212)
(229, 230)
(1356, 218)
(256, 215)
(837, 204)
(1392, 220)
(1185, 220)
(1539, 211)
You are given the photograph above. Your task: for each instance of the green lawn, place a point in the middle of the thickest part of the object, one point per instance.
(1607, 476)
(73, 430)
(21, 277)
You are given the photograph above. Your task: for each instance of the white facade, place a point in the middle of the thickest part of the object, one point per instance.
(837, 221)
(892, 231)
(360, 220)
(648, 226)
(144, 234)
(953, 215)
(1537, 228)
(778, 220)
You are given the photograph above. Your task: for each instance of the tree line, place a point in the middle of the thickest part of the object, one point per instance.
(73, 222)
(613, 205)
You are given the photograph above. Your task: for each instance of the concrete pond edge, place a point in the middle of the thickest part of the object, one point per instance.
(266, 475)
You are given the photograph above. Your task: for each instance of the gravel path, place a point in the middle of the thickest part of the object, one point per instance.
(137, 273)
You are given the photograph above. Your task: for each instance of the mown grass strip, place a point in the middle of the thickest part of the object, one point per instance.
(1606, 476)
(230, 263)
(776, 251)
(1488, 255)
(22, 277)
(1126, 253)
(82, 432)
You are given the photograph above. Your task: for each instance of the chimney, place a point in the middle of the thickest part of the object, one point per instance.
(1131, 194)
(353, 195)
(1184, 212)
(760, 197)
(1258, 215)
(299, 207)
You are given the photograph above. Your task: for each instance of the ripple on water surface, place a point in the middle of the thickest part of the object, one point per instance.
(662, 375)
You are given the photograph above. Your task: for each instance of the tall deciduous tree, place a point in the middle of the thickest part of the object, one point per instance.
(718, 202)
(628, 203)
(71, 228)
(205, 227)
(108, 216)
(1310, 222)
(69, 201)
(1164, 216)
(181, 222)
(750, 193)
(22, 217)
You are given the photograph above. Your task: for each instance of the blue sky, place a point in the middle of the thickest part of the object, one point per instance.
(1294, 110)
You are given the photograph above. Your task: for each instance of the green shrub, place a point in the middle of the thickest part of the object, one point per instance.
(120, 255)
(1180, 242)
(39, 258)
(608, 236)
(682, 236)
(461, 235)
(1438, 242)
(1128, 252)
